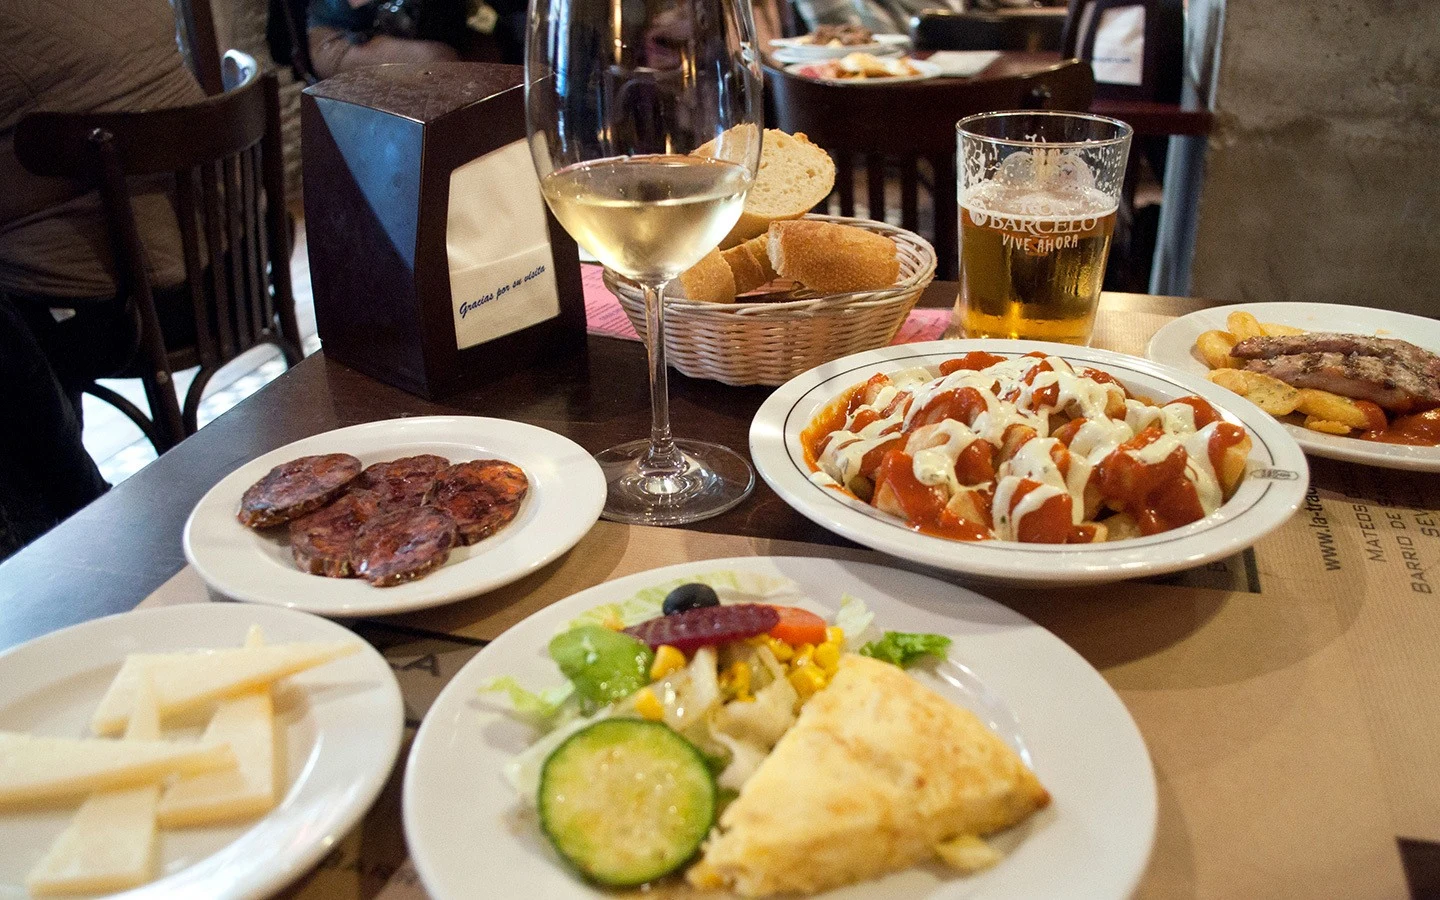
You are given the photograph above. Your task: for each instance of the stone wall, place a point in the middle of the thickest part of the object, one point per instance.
(1321, 177)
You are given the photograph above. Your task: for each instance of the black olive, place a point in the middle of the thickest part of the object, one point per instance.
(689, 596)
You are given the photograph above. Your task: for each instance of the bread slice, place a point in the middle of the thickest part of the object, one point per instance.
(831, 258)
(750, 263)
(878, 773)
(709, 281)
(794, 176)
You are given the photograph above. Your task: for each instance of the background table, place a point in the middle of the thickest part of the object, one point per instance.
(1286, 696)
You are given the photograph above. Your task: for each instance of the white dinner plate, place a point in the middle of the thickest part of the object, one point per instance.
(1174, 345)
(1273, 488)
(809, 70)
(799, 49)
(567, 491)
(470, 837)
(338, 729)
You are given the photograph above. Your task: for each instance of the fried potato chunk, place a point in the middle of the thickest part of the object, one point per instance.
(1326, 427)
(1214, 347)
(1270, 394)
(1331, 408)
(1275, 329)
(1244, 325)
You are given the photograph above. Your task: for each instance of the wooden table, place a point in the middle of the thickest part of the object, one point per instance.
(117, 550)
(1288, 703)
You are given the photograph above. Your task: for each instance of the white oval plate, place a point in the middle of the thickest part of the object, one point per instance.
(469, 836)
(567, 491)
(926, 70)
(338, 725)
(800, 49)
(1174, 345)
(1272, 490)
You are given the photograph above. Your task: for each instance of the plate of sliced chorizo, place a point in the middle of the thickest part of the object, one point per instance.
(396, 515)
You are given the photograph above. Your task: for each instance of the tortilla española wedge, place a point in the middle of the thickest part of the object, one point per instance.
(877, 774)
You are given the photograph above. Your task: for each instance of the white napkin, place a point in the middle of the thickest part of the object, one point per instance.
(962, 63)
(502, 276)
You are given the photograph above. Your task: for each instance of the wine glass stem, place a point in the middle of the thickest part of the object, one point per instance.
(662, 457)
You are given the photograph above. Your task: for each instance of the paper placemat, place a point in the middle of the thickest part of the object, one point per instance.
(1291, 716)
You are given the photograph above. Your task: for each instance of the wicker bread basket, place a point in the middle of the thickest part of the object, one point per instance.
(770, 343)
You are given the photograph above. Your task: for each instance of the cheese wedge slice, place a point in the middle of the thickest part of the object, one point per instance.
(247, 724)
(110, 843)
(45, 769)
(877, 774)
(186, 681)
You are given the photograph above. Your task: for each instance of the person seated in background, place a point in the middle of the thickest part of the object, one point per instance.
(57, 273)
(348, 34)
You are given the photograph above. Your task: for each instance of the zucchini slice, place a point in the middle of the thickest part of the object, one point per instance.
(626, 801)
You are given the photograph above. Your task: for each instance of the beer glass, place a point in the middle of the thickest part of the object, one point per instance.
(1038, 193)
(644, 124)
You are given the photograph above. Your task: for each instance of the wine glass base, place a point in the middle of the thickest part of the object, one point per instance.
(712, 480)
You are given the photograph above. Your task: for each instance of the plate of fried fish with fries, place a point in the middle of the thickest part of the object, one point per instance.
(1349, 383)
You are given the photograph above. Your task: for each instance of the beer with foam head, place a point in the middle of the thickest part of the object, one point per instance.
(1035, 229)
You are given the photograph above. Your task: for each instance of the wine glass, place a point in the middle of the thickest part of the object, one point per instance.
(644, 124)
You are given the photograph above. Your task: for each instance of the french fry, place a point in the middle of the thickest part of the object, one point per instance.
(1214, 347)
(1244, 325)
(1326, 427)
(1275, 329)
(1331, 408)
(1270, 394)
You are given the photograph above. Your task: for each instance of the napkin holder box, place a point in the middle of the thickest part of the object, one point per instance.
(395, 158)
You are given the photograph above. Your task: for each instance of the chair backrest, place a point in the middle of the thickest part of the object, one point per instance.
(880, 128)
(1029, 30)
(224, 155)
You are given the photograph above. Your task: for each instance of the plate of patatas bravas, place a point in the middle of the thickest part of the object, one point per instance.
(210, 750)
(1027, 462)
(1347, 382)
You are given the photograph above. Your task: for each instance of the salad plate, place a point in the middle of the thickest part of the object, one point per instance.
(567, 491)
(1174, 345)
(798, 49)
(471, 835)
(1273, 484)
(338, 728)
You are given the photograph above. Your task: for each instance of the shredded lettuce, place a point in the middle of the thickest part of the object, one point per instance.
(854, 619)
(540, 709)
(903, 649)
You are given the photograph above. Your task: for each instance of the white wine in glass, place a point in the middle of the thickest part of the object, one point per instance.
(644, 122)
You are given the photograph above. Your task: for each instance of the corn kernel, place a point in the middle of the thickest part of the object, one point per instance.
(613, 623)
(803, 655)
(835, 635)
(827, 656)
(648, 705)
(735, 680)
(807, 680)
(783, 651)
(667, 660)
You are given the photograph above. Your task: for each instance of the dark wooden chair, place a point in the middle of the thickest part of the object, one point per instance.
(224, 156)
(876, 129)
(1028, 30)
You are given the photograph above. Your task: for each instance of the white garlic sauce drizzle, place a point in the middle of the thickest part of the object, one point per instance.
(935, 448)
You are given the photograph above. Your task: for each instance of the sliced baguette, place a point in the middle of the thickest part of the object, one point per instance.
(750, 263)
(709, 281)
(831, 258)
(794, 176)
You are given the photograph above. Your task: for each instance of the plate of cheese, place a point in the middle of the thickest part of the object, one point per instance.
(203, 750)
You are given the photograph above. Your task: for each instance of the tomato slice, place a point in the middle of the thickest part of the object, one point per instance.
(798, 626)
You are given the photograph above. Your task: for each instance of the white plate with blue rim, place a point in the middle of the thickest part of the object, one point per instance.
(566, 494)
(471, 836)
(1274, 485)
(338, 729)
(1174, 345)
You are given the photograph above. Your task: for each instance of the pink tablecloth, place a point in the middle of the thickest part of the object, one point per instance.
(604, 314)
